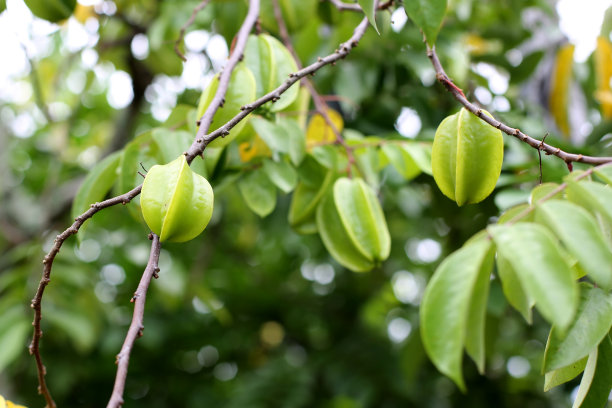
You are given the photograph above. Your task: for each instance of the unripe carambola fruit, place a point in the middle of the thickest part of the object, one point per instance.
(466, 158)
(352, 225)
(176, 202)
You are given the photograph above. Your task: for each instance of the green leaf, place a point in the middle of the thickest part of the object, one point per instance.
(540, 265)
(14, 329)
(336, 241)
(447, 311)
(401, 160)
(96, 185)
(604, 173)
(427, 15)
(543, 190)
(282, 174)
(258, 192)
(563, 374)
(591, 325)
(597, 378)
(421, 154)
(274, 135)
(369, 9)
(296, 139)
(513, 289)
(591, 195)
(580, 233)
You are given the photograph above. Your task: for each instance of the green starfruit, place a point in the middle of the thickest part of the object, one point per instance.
(466, 157)
(352, 225)
(176, 202)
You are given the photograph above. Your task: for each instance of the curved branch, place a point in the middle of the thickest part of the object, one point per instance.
(536, 144)
(196, 149)
(189, 22)
(236, 56)
(137, 326)
(343, 50)
(342, 6)
(46, 278)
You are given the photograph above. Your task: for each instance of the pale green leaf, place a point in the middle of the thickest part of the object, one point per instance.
(596, 381)
(513, 289)
(281, 173)
(274, 135)
(563, 374)
(580, 233)
(591, 325)
(258, 192)
(401, 161)
(540, 265)
(96, 185)
(446, 305)
(427, 15)
(421, 154)
(604, 173)
(296, 139)
(369, 9)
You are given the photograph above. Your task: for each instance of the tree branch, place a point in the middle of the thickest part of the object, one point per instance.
(536, 144)
(342, 6)
(219, 98)
(137, 326)
(189, 22)
(46, 278)
(343, 50)
(320, 105)
(196, 149)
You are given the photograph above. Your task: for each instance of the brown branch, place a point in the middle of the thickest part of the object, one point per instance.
(342, 6)
(535, 143)
(46, 278)
(189, 22)
(137, 326)
(217, 101)
(202, 140)
(320, 105)
(196, 149)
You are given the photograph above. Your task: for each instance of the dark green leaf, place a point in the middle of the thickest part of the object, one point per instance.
(369, 8)
(596, 381)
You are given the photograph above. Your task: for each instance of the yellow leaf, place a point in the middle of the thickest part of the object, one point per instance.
(319, 132)
(477, 45)
(559, 91)
(9, 404)
(2, 402)
(603, 73)
(82, 13)
(256, 147)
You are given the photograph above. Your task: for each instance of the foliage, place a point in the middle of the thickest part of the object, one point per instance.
(262, 309)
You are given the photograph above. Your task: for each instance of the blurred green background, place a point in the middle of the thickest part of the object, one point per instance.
(251, 314)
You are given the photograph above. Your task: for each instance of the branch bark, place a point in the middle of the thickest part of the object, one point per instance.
(46, 278)
(137, 326)
(458, 94)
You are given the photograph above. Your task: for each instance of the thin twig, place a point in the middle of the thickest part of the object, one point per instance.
(189, 22)
(137, 326)
(202, 140)
(342, 6)
(196, 149)
(320, 105)
(46, 278)
(535, 143)
(238, 47)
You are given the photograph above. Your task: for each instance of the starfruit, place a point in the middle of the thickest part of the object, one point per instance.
(466, 157)
(176, 202)
(271, 63)
(352, 225)
(240, 91)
